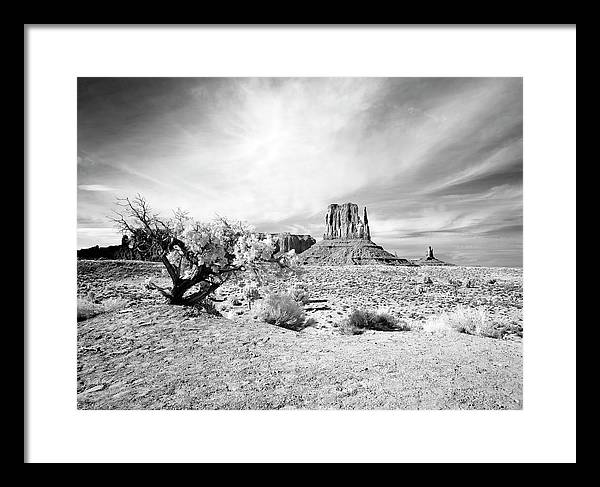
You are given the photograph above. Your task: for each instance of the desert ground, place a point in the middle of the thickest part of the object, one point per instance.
(146, 354)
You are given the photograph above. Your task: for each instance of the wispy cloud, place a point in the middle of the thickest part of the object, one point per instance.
(437, 161)
(94, 187)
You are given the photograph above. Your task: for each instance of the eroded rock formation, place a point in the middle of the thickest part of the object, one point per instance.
(344, 221)
(430, 253)
(285, 241)
(125, 251)
(347, 240)
(430, 259)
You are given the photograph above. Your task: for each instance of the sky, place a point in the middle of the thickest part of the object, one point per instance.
(436, 161)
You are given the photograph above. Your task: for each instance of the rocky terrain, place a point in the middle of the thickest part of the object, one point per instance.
(410, 293)
(349, 252)
(151, 355)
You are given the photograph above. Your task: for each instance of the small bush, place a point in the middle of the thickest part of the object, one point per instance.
(299, 293)
(210, 307)
(347, 327)
(491, 330)
(87, 309)
(402, 325)
(437, 324)
(252, 293)
(466, 320)
(370, 320)
(282, 310)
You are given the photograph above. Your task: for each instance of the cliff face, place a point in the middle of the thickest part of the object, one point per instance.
(118, 252)
(285, 241)
(299, 243)
(344, 221)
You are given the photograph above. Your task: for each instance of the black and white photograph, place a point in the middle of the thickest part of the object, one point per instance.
(300, 243)
(269, 243)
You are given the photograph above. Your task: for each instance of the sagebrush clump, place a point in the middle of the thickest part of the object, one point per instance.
(347, 327)
(299, 293)
(466, 320)
(282, 310)
(361, 320)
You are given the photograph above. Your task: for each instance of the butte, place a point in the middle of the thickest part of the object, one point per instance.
(347, 240)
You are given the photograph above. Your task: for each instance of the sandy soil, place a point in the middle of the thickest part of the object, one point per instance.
(149, 355)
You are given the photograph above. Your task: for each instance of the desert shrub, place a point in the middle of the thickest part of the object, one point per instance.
(381, 321)
(470, 283)
(210, 308)
(515, 328)
(466, 320)
(282, 310)
(492, 281)
(437, 324)
(86, 308)
(427, 280)
(358, 319)
(455, 282)
(299, 293)
(347, 327)
(492, 329)
(370, 320)
(252, 293)
(402, 325)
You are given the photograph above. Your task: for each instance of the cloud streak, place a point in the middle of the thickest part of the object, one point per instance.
(437, 161)
(94, 187)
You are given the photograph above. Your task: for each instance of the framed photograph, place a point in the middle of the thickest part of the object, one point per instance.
(296, 234)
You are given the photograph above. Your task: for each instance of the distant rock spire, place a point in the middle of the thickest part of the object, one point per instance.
(430, 253)
(366, 224)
